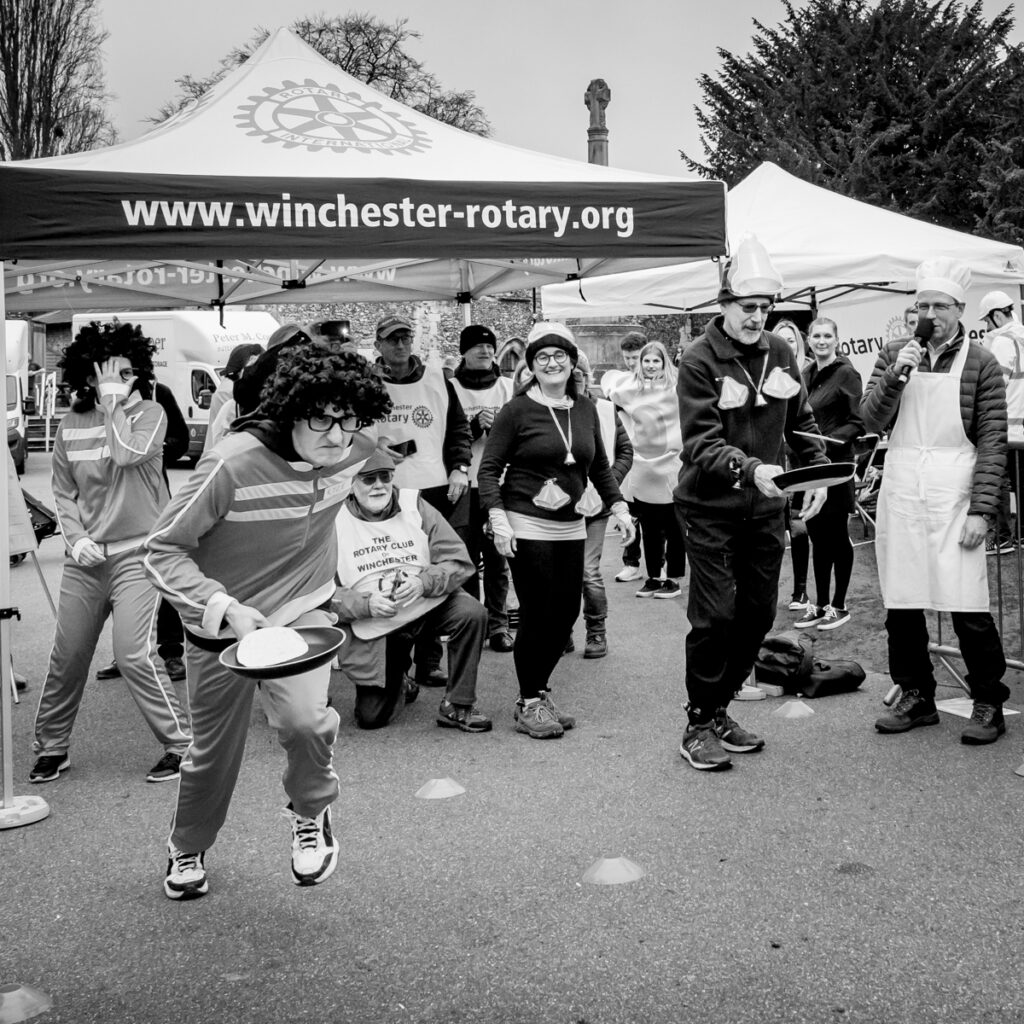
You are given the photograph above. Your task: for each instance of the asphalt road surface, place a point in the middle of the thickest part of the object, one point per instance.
(839, 875)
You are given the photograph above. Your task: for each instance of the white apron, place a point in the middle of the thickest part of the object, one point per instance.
(923, 502)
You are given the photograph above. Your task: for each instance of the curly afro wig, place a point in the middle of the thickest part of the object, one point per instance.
(312, 377)
(96, 343)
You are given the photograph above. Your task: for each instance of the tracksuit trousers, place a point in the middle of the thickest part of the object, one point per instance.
(221, 701)
(118, 588)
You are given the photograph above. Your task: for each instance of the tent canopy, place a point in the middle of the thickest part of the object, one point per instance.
(308, 186)
(817, 239)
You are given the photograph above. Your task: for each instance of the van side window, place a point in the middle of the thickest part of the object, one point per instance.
(202, 382)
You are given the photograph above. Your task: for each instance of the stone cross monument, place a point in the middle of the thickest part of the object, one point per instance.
(596, 99)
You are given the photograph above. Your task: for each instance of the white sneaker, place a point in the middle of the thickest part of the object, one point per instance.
(748, 692)
(628, 573)
(186, 875)
(314, 850)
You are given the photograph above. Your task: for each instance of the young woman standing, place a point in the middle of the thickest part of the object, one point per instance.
(547, 442)
(834, 390)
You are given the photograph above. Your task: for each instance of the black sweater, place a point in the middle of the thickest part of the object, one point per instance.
(525, 440)
(834, 393)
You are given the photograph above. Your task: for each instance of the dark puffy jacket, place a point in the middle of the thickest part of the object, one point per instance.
(723, 447)
(834, 393)
(982, 410)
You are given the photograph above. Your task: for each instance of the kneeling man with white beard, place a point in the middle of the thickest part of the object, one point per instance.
(401, 568)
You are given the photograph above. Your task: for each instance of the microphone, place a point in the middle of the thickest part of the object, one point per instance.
(923, 331)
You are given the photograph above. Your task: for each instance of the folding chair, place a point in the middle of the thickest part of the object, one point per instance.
(867, 480)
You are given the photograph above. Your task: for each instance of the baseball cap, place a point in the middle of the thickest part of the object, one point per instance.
(389, 324)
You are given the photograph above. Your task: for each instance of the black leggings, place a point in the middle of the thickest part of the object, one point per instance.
(831, 550)
(663, 539)
(548, 576)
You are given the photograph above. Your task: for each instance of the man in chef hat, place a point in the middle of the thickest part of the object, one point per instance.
(740, 399)
(945, 403)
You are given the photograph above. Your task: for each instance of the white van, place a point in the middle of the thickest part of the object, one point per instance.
(18, 333)
(192, 351)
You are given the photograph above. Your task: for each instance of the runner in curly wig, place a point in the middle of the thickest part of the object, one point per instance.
(311, 378)
(95, 344)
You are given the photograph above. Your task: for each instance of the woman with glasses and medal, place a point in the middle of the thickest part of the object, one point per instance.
(544, 446)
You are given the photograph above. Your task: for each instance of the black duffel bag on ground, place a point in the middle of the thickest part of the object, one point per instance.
(831, 677)
(785, 659)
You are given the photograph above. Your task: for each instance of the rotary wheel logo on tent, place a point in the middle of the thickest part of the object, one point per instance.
(422, 417)
(323, 117)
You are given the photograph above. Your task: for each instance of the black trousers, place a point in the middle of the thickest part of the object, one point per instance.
(462, 619)
(428, 648)
(481, 547)
(831, 551)
(910, 664)
(663, 539)
(734, 588)
(548, 576)
(631, 552)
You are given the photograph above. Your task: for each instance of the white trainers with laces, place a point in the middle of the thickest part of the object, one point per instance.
(186, 875)
(314, 850)
(629, 573)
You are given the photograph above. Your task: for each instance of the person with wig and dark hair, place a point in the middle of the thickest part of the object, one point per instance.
(250, 542)
(108, 488)
(545, 445)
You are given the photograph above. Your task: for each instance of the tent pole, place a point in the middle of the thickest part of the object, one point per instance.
(14, 810)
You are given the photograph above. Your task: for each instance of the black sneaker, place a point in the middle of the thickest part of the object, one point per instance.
(733, 736)
(597, 645)
(48, 767)
(186, 875)
(986, 725)
(701, 747)
(650, 588)
(314, 849)
(166, 769)
(503, 643)
(910, 711)
(811, 617)
(834, 618)
(110, 671)
(799, 601)
(435, 677)
(454, 716)
(669, 590)
(175, 669)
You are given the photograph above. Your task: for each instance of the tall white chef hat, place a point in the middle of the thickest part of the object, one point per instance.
(944, 275)
(749, 272)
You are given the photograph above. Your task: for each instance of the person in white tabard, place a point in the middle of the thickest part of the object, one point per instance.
(945, 403)
(482, 391)
(400, 569)
(1004, 338)
(433, 452)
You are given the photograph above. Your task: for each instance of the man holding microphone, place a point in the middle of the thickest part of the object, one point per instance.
(945, 402)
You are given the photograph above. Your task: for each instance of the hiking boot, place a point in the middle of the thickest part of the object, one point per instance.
(597, 646)
(48, 767)
(800, 600)
(455, 716)
(537, 720)
(834, 617)
(733, 736)
(986, 725)
(811, 617)
(565, 721)
(700, 746)
(910, 711)
(503, 642)
(186, 875)
(166, 769)
(628, 573)
(175, 669)
(669, 589)
(314, 850)
(110, 671)
(650, 588)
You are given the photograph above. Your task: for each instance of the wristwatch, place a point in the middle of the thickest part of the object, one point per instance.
(462, 469)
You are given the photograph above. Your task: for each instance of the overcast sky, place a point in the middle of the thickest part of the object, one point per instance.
(529, 61)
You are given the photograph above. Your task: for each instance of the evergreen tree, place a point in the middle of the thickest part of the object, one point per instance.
(911, 105)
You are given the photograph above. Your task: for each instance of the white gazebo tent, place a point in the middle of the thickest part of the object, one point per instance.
(290, 181)
(825, 245)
